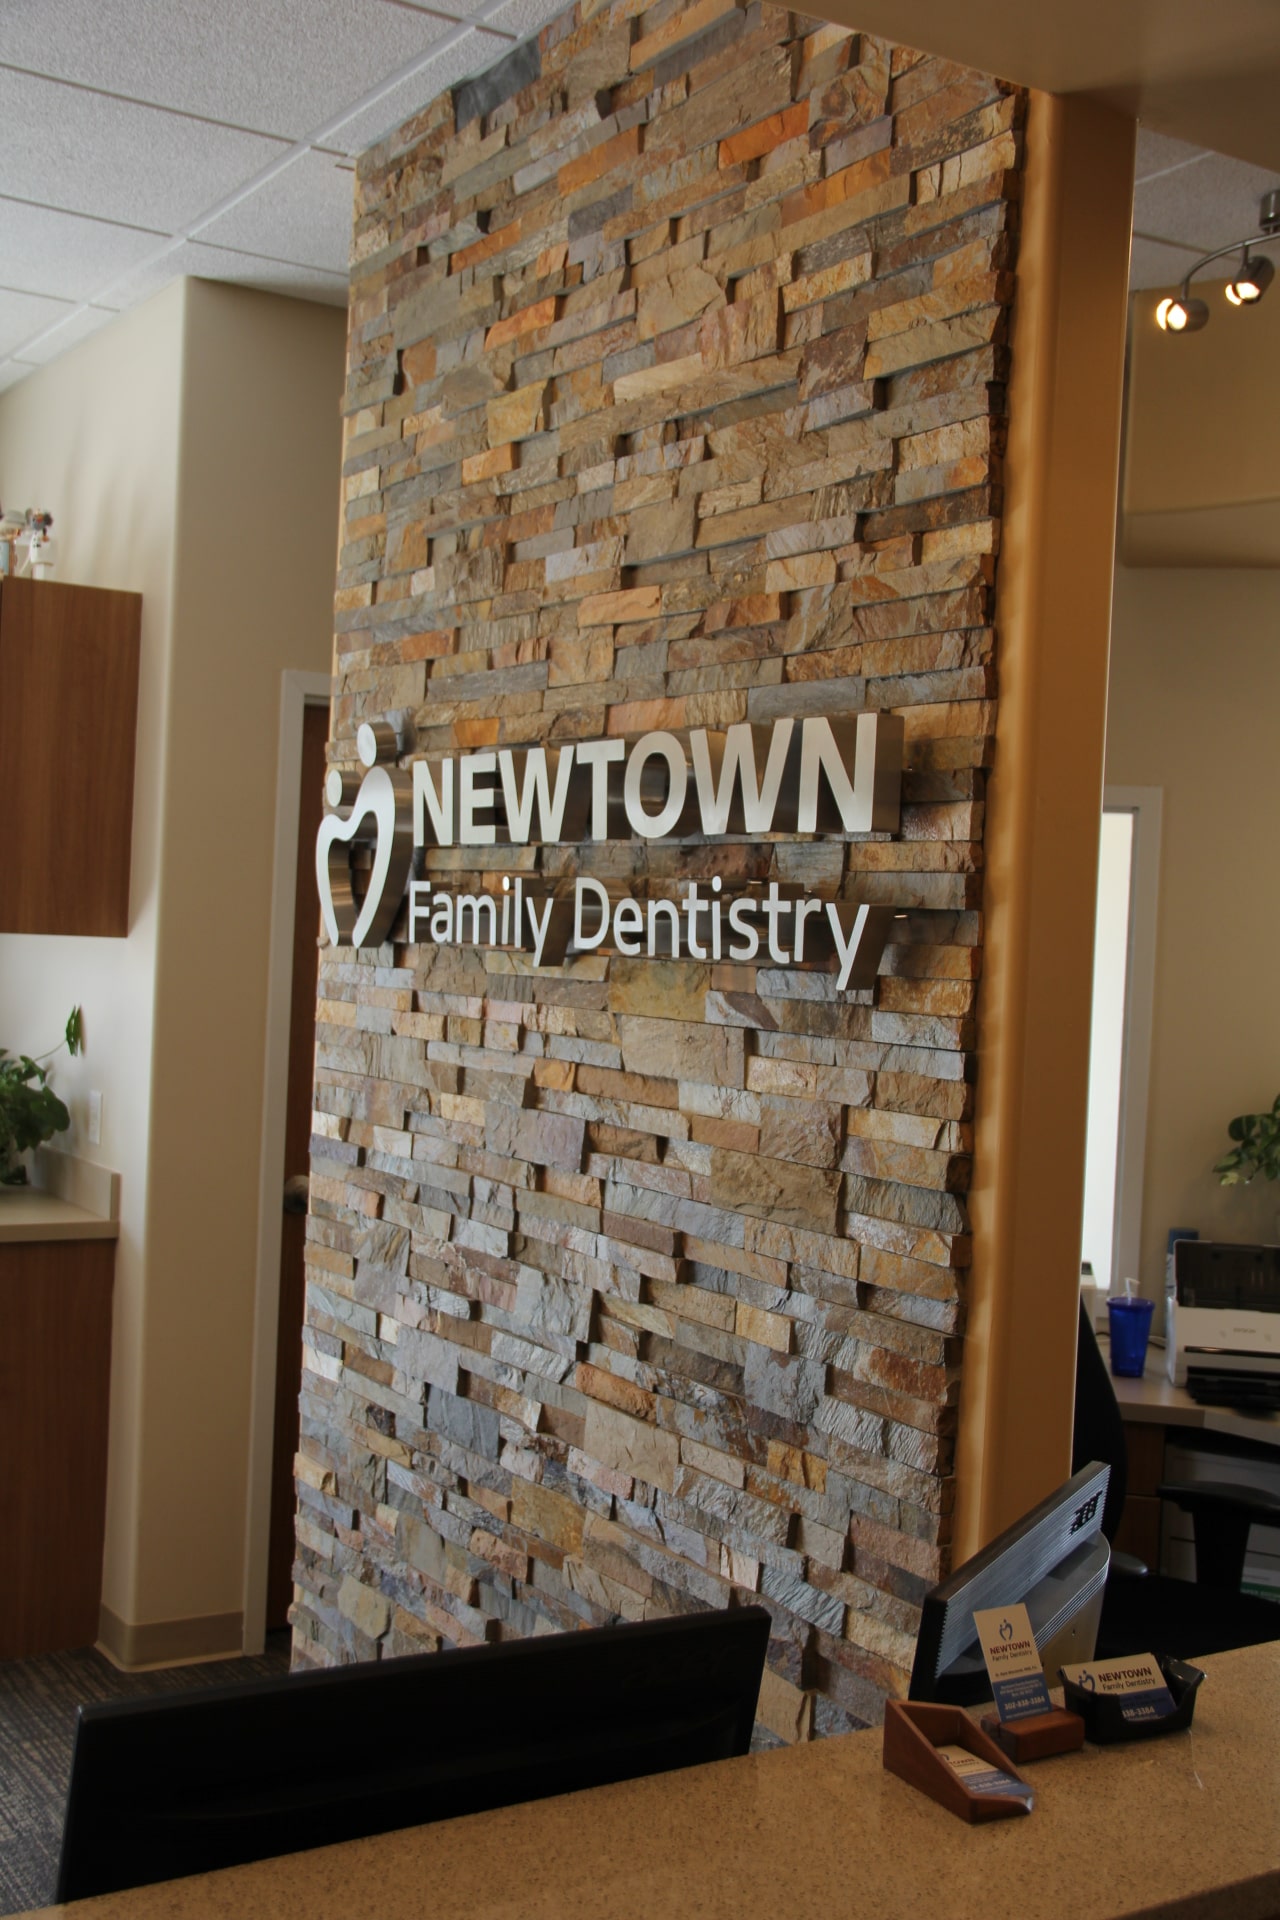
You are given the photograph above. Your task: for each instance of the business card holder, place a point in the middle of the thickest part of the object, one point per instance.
(1105, 1723)
(913, 1730)
(1038, 1737)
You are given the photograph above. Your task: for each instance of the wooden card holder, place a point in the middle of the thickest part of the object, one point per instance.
(912, 1732)
(1037, 1737)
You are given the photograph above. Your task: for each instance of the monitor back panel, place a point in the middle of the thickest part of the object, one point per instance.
(1054, 1559)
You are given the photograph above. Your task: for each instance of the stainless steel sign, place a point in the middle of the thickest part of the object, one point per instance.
(798, 777)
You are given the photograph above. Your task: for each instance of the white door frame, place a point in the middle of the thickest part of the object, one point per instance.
(297, 691)
(1146, 806)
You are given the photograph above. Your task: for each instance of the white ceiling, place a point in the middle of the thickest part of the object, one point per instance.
(1186, 203)
(143, 139)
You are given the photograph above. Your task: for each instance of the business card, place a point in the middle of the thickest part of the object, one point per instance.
(980, 1776)
(1136, 1682)
(1013, 1662)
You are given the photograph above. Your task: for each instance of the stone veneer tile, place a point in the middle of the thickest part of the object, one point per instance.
(676, 395)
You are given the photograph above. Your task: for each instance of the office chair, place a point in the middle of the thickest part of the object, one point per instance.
(1151, 1612)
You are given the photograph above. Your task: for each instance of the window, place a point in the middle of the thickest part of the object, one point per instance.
(1120, 1038)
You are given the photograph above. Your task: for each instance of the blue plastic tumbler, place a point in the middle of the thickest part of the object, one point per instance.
(1130, 1327)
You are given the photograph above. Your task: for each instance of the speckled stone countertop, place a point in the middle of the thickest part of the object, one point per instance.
(1187, 1825)
(28, 1214)
(69, 1199)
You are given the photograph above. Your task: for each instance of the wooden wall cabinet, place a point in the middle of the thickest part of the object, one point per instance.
(68, 721)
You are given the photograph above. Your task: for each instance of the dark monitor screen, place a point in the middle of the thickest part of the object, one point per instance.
(1054, 1559)
(190, 1782)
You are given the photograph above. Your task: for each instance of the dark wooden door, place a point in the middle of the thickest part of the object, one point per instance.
(302, 1045)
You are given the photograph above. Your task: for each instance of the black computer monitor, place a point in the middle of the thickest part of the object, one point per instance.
(1054, 1559)
(189, 1782)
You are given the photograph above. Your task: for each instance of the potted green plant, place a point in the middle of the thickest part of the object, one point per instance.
(30, 1110)
(1257, 1148)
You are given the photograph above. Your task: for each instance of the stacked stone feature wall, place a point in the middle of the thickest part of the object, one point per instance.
(676, 399)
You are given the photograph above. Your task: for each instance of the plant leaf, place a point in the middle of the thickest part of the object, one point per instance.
(1258, 1148)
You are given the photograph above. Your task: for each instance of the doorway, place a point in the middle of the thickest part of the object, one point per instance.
(288, 1069)
(297, 1136)
(1120, 1035)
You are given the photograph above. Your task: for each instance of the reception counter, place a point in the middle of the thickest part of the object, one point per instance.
(1187, 1826)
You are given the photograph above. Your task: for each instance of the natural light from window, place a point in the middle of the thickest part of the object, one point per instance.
(1106, 1047)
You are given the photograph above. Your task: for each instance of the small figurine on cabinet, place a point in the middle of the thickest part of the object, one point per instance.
(31, 527)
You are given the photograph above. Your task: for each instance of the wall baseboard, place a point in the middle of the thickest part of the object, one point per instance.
(168, 1643)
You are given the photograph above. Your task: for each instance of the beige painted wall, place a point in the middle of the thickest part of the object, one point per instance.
(1202, 467)
(94, 440)
(253, 596)
(1194, 707)
(190, 451)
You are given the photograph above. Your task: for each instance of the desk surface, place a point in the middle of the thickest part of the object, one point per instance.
(1154, 1400)
(1189, 1824)
(28, 1214)
(69, 1199)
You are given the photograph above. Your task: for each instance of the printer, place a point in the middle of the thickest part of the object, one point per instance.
(1222, 1332)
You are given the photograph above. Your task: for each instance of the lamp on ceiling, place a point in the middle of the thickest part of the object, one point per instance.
(1251, 282)
(1184, 313)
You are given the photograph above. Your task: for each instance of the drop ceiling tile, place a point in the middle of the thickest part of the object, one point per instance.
(1160, 153)
(523, 17)
(78, 326)
(470, 53)
(85, 153)
(1204, 206)
(23, 315)
(272, 66)
(65, 256)
(470, 10)
(1154, 263)
(302, 214)
(240, 269)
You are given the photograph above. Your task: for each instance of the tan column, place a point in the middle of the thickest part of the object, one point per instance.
(1044, 806)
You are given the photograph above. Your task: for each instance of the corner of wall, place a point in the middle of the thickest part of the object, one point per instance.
(1045, 802)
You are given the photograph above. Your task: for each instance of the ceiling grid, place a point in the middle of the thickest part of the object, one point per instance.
(140, 141)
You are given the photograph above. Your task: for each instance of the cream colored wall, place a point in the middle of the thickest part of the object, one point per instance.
(1202, 467)
(257, 527)
(1194, 709)
(190, 451)
(94, 439)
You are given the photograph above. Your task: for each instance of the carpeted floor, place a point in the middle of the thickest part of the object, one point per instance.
(38, 1701)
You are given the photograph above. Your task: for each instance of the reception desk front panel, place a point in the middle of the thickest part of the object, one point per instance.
(1186, 1826)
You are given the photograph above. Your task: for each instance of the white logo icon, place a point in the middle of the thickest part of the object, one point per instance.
(382, 816)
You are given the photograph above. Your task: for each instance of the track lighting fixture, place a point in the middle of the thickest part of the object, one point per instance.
(1184, 313)
(1251, 282)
